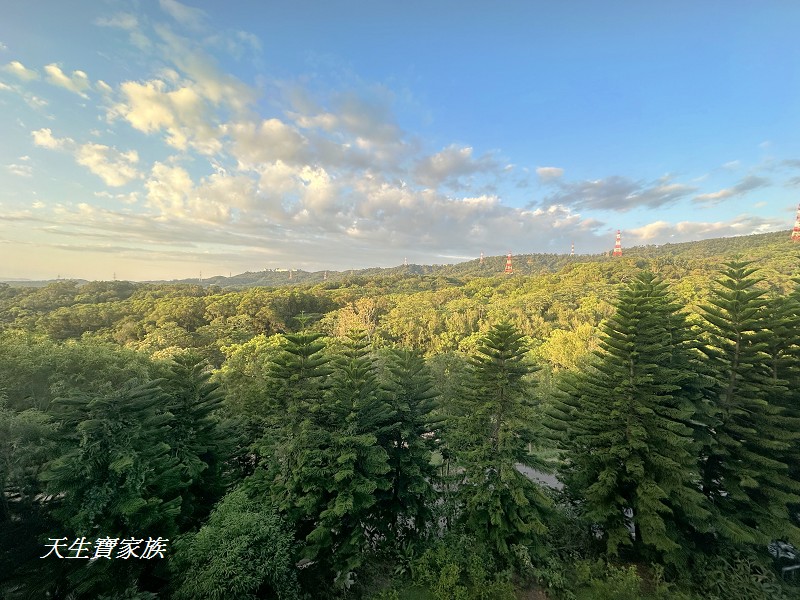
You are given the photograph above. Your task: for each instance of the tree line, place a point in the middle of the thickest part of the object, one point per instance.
(318, 465)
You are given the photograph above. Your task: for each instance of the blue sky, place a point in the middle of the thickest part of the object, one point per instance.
(156, 139)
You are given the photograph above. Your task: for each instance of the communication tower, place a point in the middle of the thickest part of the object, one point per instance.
(618, 245)
(796, 230)
(509, 269)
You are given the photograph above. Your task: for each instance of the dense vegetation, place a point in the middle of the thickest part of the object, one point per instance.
(595, 428)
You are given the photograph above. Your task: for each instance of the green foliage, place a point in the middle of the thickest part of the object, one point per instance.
(743, 471)
(199, 441)
(355, 466)
(118, 475)
(456, 569)
(629, 426)
(243, 551)
(293, 438)
(740, 576)
(409, 440)
(499, 505)
(347, 450)
(615, 583)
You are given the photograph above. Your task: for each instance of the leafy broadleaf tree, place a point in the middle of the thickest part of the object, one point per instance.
(630, 423)
(244, 550)
(500, 506)
(409, 440)
(744, 472)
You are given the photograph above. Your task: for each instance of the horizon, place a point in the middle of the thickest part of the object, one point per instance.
(359, 269)
(159, 141)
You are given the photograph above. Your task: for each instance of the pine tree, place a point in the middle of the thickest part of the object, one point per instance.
(499, 505)
(199, 440)
(744, 473)
(409, 441)
(353, 465)
(630, 424)
(784, 353)
(296, 439)
(118, 479)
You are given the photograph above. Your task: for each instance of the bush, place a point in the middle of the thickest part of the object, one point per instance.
(455, 569)
(243, 551)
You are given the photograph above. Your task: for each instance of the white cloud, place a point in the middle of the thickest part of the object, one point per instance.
(619, 193)
(19, 70)
(20, 170)
(749, 183)
(174, 196)
(121, 20)
(188, 16)
(451, 164)
(662, 232)
(44, 138)
(103, 87)
(549, 173)
(113, 167)
(181, 113)
(76, 83)
(267, 142)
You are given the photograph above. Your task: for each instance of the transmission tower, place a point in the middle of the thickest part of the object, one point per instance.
(618, 245)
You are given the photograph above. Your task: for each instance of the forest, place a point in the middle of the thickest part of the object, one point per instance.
(588, 427)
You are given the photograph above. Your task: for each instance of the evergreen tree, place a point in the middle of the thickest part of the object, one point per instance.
(198, 439)
(117, 480)
(744, 473)
(409, 442)
(354, 466)
(630, 422)
(500, 505)
(783, 350)
(294, 442)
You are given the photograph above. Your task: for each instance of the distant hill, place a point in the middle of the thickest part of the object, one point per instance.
(771, 251)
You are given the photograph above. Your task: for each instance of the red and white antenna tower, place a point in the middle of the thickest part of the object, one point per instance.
(509, 269)
(796, 230)
(618, 245)
(572, 249)
(481, 257)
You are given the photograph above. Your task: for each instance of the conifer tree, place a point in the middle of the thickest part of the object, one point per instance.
(199, 440)
(744, 472)
(629, 423)
(409, 441)
(783, 349)
(296, 438)
(117, 480)
(353, 465)
(499, 505)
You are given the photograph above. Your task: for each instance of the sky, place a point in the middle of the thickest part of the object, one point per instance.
(155, 139)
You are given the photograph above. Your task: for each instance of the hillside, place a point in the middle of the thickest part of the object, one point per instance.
(771, 250)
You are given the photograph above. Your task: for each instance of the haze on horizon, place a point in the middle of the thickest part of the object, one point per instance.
(158, 140)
